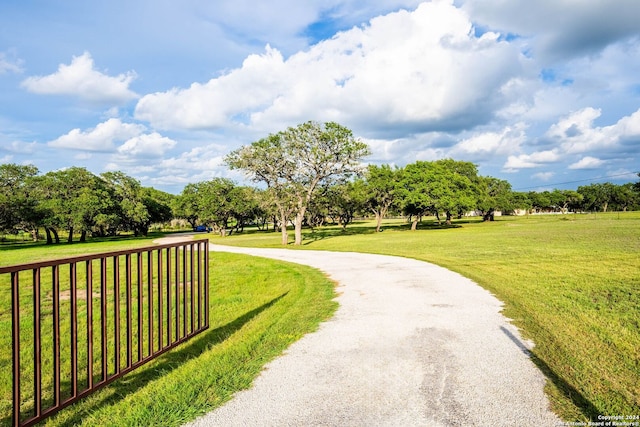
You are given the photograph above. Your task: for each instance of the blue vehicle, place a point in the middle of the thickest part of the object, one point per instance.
(201, 228)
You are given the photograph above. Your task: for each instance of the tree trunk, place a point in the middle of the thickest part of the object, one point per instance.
(55, 235)
(285, 236)
(70, 238)
(298, 226)
(379, 215)
(223, 228)
(378, 221)
(283, 229)
(414, 223)
(48, 233)
(448, 221)
(83, 236)
(34, 234)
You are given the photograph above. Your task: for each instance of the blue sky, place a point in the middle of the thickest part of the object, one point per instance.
(538, 93)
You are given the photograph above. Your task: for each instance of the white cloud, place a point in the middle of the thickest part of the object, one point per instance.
(198, 164)
(575, 125)
(289, 24)
(587, 162)
(147, 145)
(506, 141)
(82, 80)
(21, 147)
(577, 133)
(543, 176)
(83, 156)
(628, 126)
(533, 160)
(9, 65)
(383, 150)
(101, 138)
(111, 166)
(204, 158)
(560, 29)
(405, 69)
(279, 21)
(211, 104)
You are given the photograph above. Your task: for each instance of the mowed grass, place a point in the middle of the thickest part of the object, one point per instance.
(569, 282)
(258, 308)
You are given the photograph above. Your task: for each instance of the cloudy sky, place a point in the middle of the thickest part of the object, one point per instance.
(544, 94)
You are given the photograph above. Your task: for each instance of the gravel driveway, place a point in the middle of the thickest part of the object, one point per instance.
(411, 344)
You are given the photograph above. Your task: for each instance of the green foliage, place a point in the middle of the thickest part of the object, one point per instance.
(158, 204)
(129, 197)
(444, 186)
(421, 189)
(71, 198)
(75, 200)
(246, 206)
(597, 196)
(383, 189)
(186, 205)
(18, 209)
(216, 202)
(495, 194)
(339, 202)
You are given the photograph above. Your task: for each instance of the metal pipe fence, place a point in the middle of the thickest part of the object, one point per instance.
(78, 324)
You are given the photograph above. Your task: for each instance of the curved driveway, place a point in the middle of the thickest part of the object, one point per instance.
(411, 344)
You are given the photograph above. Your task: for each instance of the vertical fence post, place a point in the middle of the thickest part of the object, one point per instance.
(116, 313)
(37, 351)
(89, 272)
(74, 328)
(103, 318)
(150, 302)
(15, 343)
(56, 334)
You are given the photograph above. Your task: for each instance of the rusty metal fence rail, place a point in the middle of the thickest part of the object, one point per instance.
(79, 323)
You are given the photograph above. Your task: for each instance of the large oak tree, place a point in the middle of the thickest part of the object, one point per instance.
(294, 162)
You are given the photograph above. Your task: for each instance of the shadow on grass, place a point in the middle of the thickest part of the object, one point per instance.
(583, 404)
(10, 246)
(328, 232)
(171, 360)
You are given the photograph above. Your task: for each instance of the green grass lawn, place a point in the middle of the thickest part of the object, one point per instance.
(569, 282)
(258, 308)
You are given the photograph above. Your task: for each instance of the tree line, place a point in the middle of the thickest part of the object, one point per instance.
(309, 174)
(77, 201)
